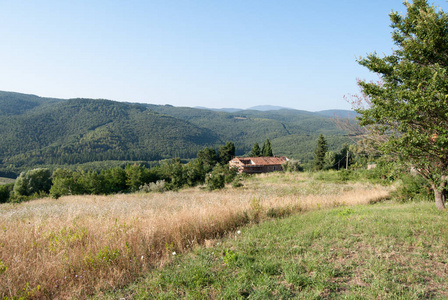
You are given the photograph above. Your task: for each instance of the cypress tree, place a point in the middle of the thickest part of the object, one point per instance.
(267, 149)
(255, 152)
(319, 153)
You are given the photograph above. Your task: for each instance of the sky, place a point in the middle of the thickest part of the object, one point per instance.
(298, 54)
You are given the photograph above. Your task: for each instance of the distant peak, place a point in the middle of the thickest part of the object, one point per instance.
(267, 107)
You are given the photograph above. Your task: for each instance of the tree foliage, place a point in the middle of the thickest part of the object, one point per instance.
(5, 192)
(267, 149)
(319, 153)
(408, 107)
(33, 181)
(57, 133)
(255, 152)
(226, 153)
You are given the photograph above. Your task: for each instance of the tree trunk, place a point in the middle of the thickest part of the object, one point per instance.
(439, 196)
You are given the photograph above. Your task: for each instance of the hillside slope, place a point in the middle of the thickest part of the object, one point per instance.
(16, 104)
(40, 131)
(84, 130)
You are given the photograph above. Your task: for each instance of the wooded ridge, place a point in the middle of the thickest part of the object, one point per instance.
(37, 131)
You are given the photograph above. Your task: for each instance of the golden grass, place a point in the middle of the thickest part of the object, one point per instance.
(4, 180)
(79, 245)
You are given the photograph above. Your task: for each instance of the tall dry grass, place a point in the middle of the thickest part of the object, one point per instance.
(79, 245)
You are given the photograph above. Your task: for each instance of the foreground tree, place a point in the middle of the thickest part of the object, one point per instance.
(409, 105)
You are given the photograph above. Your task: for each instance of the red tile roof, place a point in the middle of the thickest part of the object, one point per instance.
(262, 161)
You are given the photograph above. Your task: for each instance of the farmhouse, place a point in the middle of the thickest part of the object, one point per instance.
(252, 165)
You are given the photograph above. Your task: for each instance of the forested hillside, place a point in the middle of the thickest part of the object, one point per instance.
(246, 127)
(17, 104)
(84, 130)
(39, 131)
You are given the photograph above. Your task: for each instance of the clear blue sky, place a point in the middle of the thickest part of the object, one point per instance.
(214, 53)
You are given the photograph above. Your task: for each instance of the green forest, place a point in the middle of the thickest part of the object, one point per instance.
(47, 132)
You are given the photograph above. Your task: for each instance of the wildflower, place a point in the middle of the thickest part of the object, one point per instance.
(174, 252)
(239, 232)
(141, 257)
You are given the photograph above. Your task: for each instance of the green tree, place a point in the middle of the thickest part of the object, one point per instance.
(114, 180)
(226, 153)
(93, 183)
(267, 149)
(207, 157)
(5, 191)
(216, 179)
(195, 172)
(33, 181)
(65, 182)
(173, 171)
(329, 160)
(255, 152)
(135, 176)
(407, 109)
(319, 153)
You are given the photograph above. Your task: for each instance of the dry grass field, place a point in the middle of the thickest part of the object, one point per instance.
(4, 180)
(79, 245)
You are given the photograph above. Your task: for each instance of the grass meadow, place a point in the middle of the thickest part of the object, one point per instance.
(78, 246)
(4, 180)
(380, 251)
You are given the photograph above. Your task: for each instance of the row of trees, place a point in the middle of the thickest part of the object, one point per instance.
(209, 168)
(266, 150)
(347, 156)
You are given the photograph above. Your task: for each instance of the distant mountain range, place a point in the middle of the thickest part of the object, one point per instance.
(258, 107)
(328, 113)
(38, 131)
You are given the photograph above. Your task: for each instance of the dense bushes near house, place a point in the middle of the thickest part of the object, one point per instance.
(170, 175)
(413, 188)
(292, 166)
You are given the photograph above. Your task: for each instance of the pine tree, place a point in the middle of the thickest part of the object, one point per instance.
(225, 153)
(319, 153)
(255, 152)
(267, 149)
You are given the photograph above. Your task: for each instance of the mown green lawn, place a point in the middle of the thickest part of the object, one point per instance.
(381, 251)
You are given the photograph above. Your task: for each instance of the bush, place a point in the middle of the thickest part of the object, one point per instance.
(159, 187)
(236, 183)
(216, 179)
(65, 182)
(344, 175)
(292, 166)
(413, 188)
(5, 192)
(32, 182)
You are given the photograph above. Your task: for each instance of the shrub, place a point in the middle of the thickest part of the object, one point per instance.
(344, 175)
(159, 187)
(216, 179)
(5, 192)
(412, 188)
(65, 182)
(33, 181)
(236, 183)
(292, 166)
